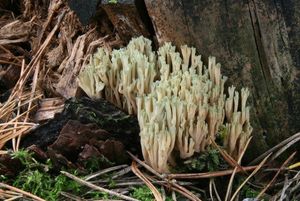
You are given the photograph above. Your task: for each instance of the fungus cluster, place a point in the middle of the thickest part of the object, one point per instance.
(122, 75)
(180, 103)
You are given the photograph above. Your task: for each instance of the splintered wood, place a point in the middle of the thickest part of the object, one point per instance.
(41, 53)
(82, 49)
(15, 112)
(48, 107)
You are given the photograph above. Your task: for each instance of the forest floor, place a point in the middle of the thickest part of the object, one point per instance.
(43, 47)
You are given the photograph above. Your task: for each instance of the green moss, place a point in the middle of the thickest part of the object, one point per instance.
(113, 1)
(250, 192)
(98, 195)
(222, 133)
(42, 180)
(143, 193)
(94, 163)
(210, 160)
(39, 178)
(45, 185)
(24, 156)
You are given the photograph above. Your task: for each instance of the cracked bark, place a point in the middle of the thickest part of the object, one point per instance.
(258, 44)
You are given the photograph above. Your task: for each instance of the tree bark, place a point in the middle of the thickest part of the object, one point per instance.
(256, 41)
(126, 19)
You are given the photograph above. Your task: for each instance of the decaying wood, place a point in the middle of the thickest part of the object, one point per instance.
(43, 50)
(14, 101)
(105, 115)
(82, 49)
(80, 143)
(48, 107)
(256, 42)
(9, 76)
(9, 166)
(40, 49)
(16, 29)
(126, 19)
(67, 85)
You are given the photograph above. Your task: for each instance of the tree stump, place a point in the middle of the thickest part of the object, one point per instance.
(258, 44)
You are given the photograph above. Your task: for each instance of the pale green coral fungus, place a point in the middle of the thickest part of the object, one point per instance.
(180, 103)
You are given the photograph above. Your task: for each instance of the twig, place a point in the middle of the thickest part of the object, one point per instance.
(10, 41)
(10, 104)
(226, 156)
(15, 147)
(174, 196)
(122, 172)
(285, 187)
(88, 184)
(295, 178)
(14, 198)
(249, 177)
(277, 173)
(150, 169)
(10, 53)
(138, 173)
(179, 189)
(51, 10)
(33, 90)
(125, 179)
(295, 136)
(280, 151)
(9, 62)
(163, 192)
(72, 197)
(229, 187)
(4, 138)
(18, 123)
(38, 55)
(17, 128)
(97, 174)
(3, 152)
(176, 187)
(215, 189)
(208, 174)
(210, 190)
(287, 184)
(296, 187)
(21, 191)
